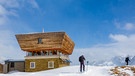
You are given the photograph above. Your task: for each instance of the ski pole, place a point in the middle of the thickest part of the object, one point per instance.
(131, 61)
(87, 65)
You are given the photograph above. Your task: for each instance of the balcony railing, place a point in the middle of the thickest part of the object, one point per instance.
(37, 56)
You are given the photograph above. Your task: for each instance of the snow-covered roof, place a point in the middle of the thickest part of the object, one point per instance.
(2, 60)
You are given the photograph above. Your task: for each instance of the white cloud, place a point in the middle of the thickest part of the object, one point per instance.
(33, 3)
(124, 26)
(3, 20)
(129, 26)
(117, 24)
(118, 38)
(9, 3)
(8, 43)
(5, 11)
(10, 8)
(2, 10)
(9, 46)
(3, 17)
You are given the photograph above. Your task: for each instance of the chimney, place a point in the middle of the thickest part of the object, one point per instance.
(43, 30)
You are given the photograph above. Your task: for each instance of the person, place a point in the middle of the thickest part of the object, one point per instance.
(81, 60)
(127, 60)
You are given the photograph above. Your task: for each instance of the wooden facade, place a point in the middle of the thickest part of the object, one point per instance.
(46, 41)
(45, 50)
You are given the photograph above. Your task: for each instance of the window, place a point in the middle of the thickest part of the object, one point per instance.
(40, 41)
(54, 52)
(50, 53)
(29, 54)
(12, 65)
(32, 65)
(50, 64)
(45, 52)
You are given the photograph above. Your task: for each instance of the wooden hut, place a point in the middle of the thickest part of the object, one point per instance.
(45, 50)
(14, 65)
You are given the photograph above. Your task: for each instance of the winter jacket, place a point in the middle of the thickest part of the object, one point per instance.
(127, 59)
(81, 59)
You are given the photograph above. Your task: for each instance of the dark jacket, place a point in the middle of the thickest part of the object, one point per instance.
(127, 59)
(81, 59)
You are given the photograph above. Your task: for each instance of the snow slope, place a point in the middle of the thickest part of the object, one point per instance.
(66, 71)
(71, 71)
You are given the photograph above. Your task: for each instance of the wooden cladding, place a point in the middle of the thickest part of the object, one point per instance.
(46, 41)
(42, 64)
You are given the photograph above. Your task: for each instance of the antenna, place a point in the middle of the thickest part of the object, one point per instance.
(43, 30)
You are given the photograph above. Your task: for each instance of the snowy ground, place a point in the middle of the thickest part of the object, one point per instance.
(66, 71)
(101, 68)
(70, 71)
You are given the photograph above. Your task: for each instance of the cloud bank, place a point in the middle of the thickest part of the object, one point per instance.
(128, 26)
(8, 12)
(9, 8)
(121, 45)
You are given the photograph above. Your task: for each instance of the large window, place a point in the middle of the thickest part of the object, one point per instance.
(32, 65)
(50, 64)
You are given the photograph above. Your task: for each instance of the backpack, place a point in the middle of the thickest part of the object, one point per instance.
(80, 59)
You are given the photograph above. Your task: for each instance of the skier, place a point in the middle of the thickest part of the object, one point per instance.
(81, 60)
(127, 60)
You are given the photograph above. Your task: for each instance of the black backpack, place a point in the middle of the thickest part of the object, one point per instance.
(80, 59)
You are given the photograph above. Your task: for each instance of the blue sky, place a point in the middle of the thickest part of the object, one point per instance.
(93, 25)
(87, 22)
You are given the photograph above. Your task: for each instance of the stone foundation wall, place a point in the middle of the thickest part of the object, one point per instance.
(42, 64)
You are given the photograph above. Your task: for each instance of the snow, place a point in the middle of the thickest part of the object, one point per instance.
(127, 71)
(66, 71)
(2, 60)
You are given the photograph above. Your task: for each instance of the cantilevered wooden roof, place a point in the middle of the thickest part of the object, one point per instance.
(48, 41)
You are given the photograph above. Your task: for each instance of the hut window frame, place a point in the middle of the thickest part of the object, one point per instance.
(40, 41)
(32, 65)
(50, 64)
